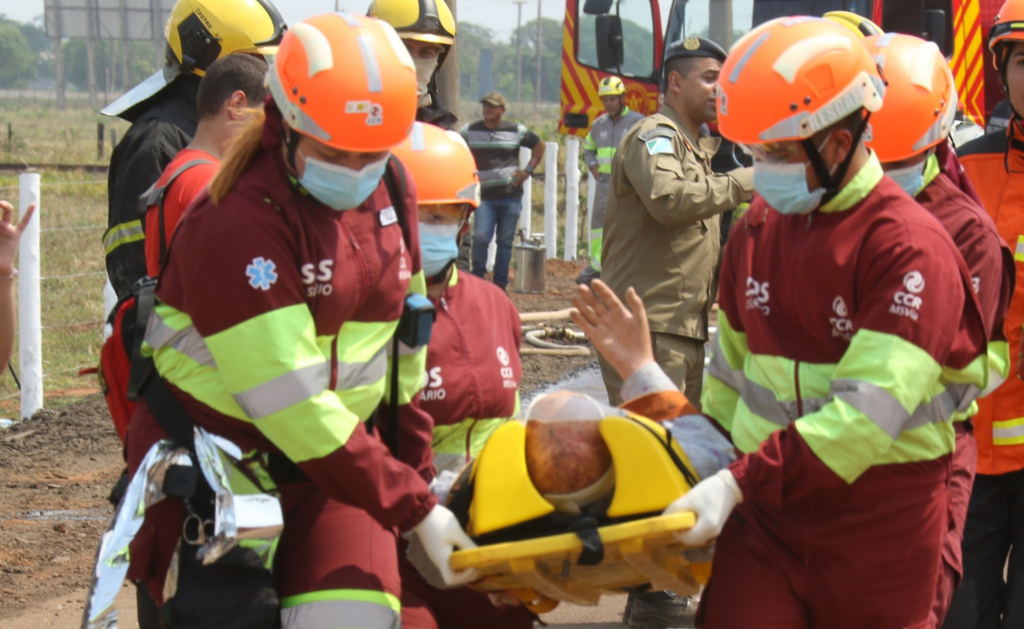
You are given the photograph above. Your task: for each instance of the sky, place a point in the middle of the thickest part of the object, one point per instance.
(499, 15)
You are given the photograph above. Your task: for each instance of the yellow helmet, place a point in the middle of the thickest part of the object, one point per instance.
(201, 31)
(611, 86)
(860, 25)
(422, 20)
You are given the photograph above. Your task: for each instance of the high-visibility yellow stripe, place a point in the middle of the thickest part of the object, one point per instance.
(123, 234)
(1009, 432)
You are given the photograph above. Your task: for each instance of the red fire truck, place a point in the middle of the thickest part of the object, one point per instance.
(625, 38)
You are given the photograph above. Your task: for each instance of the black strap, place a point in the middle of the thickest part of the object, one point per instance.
(593, 547)
(157, 195)
(394, 180)
(141, 367)
(828, 181)
(169, 412)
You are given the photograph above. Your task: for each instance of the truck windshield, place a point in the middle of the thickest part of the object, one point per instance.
(725, 21)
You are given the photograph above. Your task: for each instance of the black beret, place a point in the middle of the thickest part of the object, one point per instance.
(694, 47)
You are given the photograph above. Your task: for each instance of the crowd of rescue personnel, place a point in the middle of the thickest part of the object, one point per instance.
(301, 217)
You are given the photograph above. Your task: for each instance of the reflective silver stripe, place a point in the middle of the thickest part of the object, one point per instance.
(1020, 247)
(283, 391)
(498, 174)
(995, 380)
(416, 139)
(605, 160)
(370, 63)
(886, 39)
(403, 349)
(352, 375)
(719, 366)
(187, 341)
(942, 407)
(334, 614)
(492, 139)
(875, 402)
(742, 63)
(1013, 432)
(349, 19)
(761, 401)
(448, 461)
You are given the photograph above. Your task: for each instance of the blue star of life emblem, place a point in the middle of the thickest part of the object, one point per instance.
(261, 273)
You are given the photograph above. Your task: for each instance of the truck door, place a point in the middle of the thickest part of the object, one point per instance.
(632, 45)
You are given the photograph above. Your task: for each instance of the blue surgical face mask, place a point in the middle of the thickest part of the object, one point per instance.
(910, 178)
(438, 246)
(784, 187)
(339, 187)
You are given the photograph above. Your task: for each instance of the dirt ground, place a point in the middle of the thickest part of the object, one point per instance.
(57, 469)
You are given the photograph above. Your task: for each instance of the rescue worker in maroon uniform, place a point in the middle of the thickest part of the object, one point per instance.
(849, 336)
(473, 368)
(279, 303)
(920, 105)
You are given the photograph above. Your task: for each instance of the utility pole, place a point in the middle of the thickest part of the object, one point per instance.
(540, 46)
(90, 49)
(58, 51)
(519, 48)
(448, 79)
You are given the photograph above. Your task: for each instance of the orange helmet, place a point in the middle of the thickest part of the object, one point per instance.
(346, 80)
(1008, 26)
(792, 77)
(441, 165)
(920, 101)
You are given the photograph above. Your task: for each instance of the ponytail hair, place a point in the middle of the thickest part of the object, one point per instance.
(239, 154)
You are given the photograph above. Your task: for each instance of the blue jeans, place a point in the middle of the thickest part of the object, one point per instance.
(502, 214)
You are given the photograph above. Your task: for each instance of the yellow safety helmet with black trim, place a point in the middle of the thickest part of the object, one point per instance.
(611, 86)
(198, 32)
(422, 20)
(859, 24)
(201, 31)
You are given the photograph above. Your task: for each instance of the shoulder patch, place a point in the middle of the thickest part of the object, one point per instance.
(657, 132)
(659, 145)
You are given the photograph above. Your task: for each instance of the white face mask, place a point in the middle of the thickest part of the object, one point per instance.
(424, 72)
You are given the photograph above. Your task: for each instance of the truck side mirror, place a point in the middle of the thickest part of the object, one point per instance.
(597, 7)
(608, 29)
(933, 28)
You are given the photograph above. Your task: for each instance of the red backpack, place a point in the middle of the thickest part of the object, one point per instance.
(128, 321)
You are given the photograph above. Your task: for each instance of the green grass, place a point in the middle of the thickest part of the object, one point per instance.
(41, 134)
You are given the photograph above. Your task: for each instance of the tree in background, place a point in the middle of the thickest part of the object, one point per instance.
(474, 38)
(17, 63)
(140, 62)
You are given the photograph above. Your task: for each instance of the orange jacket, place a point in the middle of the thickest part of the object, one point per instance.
(995, 164)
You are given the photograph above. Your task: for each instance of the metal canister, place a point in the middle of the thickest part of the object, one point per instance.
(528, 257)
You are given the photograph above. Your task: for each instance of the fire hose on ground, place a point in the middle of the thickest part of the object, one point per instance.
(537, 334)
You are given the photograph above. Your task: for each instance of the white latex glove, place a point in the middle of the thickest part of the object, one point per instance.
(712, 500)
(440, 533)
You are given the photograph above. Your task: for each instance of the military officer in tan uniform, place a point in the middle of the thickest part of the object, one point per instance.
(661, 230)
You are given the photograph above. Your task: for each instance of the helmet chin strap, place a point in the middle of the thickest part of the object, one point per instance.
(830, 181)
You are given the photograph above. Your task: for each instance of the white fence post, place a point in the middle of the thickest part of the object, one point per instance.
(526, 215)
(591, 184)
(109, 301)
(551, 199)
(30, 354)
(572, 195)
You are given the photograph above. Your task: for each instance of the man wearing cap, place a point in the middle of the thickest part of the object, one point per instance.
(661, 229)
(598, 151)
(495, 145)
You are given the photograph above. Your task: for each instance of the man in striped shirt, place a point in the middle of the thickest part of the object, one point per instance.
(495, 145)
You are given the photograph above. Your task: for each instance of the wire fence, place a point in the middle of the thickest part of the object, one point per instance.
(71, 219)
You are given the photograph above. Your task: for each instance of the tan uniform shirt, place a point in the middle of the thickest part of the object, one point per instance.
(661, 230)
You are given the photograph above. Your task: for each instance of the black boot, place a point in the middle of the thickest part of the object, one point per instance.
(660, 610)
